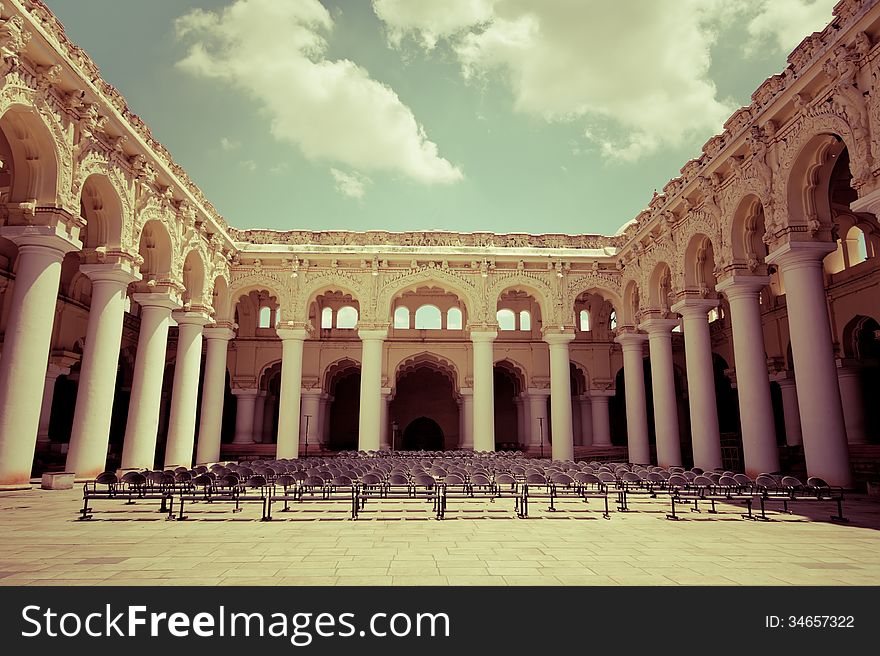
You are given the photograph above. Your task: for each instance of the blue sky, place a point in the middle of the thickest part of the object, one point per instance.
(503, 115)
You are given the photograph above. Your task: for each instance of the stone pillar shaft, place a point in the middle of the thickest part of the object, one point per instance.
(484, 390)
(663, 387)
(636, 406)
(371, 389)
(560, 395)
(213, 394)
(601, 418)
(289, 428)
(185, 391)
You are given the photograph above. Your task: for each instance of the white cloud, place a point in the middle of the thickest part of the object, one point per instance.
(636, 73)
(228, 144)
(248, 165)
(352, 185)
(785, 23)
(274, 50)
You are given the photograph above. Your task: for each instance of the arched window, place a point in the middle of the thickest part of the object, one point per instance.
(525, 320)
(584, 321)
(506, 320)
(327, 317)
(265, 320)
(401, 317)
(429, 317)
(453, 319)
(346, 317)
(613, 319)
(856, 246)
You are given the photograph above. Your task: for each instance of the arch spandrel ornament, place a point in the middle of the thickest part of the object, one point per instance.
(304, 287)
(533, 282)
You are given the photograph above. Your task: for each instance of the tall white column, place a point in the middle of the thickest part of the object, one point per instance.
(849, 380)
(52, 374)
(139, 449)
(289, 427)
(560, 395)
(705, 434)
(601, 418)
(663, 387)
(245, 408)
(185, 392)
(26, 346)
(311, 407)
(90, 435)
(466, 439)
(260, 418)
(632, 345)
(586, 408)
(213, 393)
(484, 390)
(824, 431)
(371, 388)
(753, 387)
(539, 425)
(384, 430)
(790, 410)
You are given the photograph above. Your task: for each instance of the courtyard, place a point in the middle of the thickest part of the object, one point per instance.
(44, 544)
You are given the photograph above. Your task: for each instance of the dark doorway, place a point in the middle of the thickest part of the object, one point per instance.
(345, 411)
(423, 434)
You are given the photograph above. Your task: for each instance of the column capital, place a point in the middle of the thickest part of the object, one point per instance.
(372, 332)
(123, 272)
(630, 338)
(295, 334)
(41, 236)
(246, 393)
(555, 337)
(189, 318)
(465, 391)
(798, 254)
(482, 334)
(601, 393)
(867, 203)
(658, 326)
(535, 392)
(695, 307)
(314, 391)
(218, 332)
(169, 300)
(742, 285)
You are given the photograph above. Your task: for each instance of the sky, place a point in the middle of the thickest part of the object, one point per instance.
(472, 115)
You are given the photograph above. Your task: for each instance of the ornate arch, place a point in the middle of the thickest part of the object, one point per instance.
(311, 287)
(254, 281)
(516, 368)
(453, 282)
(334, 368)
(433, 361)
(532, 283)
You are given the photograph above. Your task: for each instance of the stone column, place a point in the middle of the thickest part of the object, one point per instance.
(663, 386)
(260, 417)
(213, 393)
(790, 409)
(601, 418)
(466, 440)
(369, 429)
(705, 433)
(52, 374)
(185, 391)
(384, 430)
(526, 435)
(586, 408)
(631, 342)
(483, 431)
(26, 346)
(139, 448)
(311, 406)
(560, 395)
(824, 431)
(246, 402)
(518, 402)
(90, 434)
(753, 387)
(539, 428)
(849, 380)
(289, 427)
(324, 414)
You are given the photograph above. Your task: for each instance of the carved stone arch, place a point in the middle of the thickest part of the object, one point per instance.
(519, 371)
(607, 286)
(631, 306)
(697, 224)
(438, 363)
(200, 295)
(314, 285)
(243, 285)
(535, 286)
(15, 100)
(660, 288)
(454, 283)
(92, 184)
(336, 367)
(745, 232)
(581, 369)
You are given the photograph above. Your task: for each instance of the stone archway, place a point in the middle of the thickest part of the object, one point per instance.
(422, 434)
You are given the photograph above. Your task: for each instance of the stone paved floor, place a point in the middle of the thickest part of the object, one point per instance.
(42, 543)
